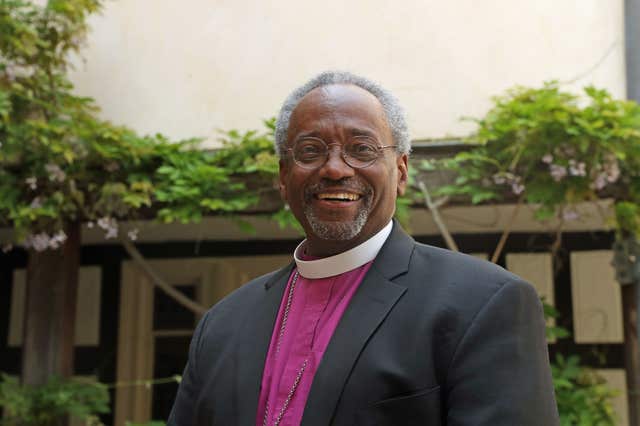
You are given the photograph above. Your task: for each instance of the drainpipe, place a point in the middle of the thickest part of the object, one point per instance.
(632, 292)
(632, 47)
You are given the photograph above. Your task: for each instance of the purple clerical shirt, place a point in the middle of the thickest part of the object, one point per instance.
(316, 308)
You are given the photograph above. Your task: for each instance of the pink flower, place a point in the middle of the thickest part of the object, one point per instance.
(557, 172)
(56, 174)
(111, 233)
(613, 172)
(499, 179)
(570, 215)
(133, 234)
(599, 182)
(32, 182)
(42, 241)
(57, 240)
(577, 169)
(547, 158)
(36, 203)
(110, 225)
(517, 188)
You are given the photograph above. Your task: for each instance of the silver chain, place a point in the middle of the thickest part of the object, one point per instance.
(285, 316)
(296, 382)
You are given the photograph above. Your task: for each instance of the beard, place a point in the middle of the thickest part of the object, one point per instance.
(339, 230)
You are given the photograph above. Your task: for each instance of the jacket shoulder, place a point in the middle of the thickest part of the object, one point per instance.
(459, 268)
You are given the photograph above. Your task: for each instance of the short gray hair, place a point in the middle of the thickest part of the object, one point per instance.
(392, 109)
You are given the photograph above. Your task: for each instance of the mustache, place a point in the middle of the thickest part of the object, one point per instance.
(348, 184)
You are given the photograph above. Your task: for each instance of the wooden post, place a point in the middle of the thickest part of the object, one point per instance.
(52, 284)
(631, 358)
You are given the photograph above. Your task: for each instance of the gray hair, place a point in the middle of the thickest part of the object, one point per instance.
(392, 109)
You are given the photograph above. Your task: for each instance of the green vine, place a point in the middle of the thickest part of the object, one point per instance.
(45, 405)
(555, 149)
(582, 395)
(61, 164)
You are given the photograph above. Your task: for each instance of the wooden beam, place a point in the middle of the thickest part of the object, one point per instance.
(631, 350)
(52, 283)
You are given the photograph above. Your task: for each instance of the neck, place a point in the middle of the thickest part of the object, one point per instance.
(325, 248)
(320, 248)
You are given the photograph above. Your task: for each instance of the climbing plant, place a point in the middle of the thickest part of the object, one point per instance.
(60, 163)
(554, 149)
(48, 404)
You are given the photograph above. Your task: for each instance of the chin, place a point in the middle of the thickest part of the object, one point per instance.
(337, 231)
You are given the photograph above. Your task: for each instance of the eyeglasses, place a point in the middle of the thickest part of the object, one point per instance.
(358, 152)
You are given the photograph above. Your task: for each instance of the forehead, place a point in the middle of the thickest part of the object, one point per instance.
(341, 107)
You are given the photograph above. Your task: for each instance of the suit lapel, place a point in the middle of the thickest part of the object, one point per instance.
(255, 336)
(369, 307)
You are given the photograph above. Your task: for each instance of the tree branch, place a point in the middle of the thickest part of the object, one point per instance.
(433, 208)
(506, 232)
(155, 279)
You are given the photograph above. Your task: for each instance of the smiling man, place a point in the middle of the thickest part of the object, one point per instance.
(365, 326)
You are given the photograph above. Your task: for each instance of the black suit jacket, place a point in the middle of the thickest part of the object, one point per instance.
(431, 337)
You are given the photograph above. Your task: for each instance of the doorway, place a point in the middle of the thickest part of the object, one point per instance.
(155, 331)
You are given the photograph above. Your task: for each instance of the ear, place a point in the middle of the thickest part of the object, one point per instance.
(284, 170)
(402, 162)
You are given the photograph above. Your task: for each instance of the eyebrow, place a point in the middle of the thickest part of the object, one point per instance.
(362, 132)
(309, 134)
(351, 132)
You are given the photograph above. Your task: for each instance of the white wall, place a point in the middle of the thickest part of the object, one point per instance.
(188, 68)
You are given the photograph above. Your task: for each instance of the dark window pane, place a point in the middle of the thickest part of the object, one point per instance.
(170, 358)
(169, 314)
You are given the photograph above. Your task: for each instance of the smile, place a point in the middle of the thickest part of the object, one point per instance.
(338, 196)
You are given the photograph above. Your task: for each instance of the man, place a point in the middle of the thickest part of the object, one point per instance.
(366, 326)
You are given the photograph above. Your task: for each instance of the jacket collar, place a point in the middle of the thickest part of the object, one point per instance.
(375, 298)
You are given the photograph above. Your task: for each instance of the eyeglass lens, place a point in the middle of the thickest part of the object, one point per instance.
(358, 152)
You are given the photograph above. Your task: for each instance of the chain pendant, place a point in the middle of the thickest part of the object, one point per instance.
(296, 381)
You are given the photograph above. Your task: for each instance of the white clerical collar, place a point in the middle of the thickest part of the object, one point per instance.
(342, 262)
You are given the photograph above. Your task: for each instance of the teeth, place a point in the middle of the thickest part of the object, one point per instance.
(345, 196)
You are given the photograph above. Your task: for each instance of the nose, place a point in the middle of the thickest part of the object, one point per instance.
(335, 167)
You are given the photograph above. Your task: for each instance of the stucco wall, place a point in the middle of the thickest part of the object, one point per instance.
(189, 68)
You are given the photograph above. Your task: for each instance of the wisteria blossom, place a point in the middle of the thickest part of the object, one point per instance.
(557, 171)
(42, 241)
(38, 242)
(509, 179)
(56, 174)
(499, 179)
(569, 215)
(36, 203)
(599, 182)
(608, 173)
(517, 188)
(577, 168)
(110, 225)
(32, 182)
(133, 234)
(612, 170)
(14, 71)
(57, 240)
